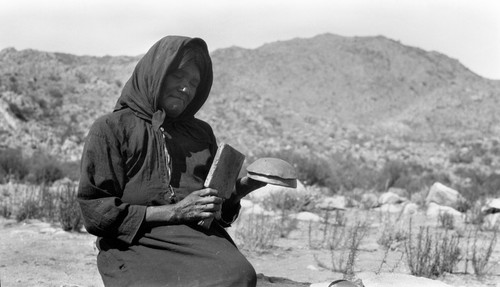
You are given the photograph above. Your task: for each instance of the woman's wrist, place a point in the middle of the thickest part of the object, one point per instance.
(160, 214)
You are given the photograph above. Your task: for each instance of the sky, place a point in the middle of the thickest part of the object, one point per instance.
(466, 30)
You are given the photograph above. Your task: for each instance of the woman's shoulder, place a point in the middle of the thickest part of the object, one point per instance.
(114, 122)
(204, 125)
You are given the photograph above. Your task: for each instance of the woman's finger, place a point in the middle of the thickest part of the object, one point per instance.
(211, 207)
(209, 192)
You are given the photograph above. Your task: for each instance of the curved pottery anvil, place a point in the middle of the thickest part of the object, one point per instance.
(273, 171)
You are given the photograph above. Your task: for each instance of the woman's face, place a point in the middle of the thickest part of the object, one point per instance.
(180, 89)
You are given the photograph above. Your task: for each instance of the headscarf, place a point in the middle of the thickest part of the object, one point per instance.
(143, 89)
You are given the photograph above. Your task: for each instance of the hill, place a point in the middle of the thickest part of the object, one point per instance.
(371, 97)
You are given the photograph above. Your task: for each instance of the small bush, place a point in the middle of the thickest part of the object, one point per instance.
(446, 220)
(344, 249)
(431, 255)
(29, 209)
(481, 255)
(69, 211)
(257, 233)
(12, 164)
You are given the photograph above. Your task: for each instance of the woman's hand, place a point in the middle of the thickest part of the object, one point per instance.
(244, 186)
(198, 205)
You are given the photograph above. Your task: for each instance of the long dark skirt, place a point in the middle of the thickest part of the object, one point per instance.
(176, 255)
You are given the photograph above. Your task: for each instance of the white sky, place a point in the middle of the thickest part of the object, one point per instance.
(467, 30)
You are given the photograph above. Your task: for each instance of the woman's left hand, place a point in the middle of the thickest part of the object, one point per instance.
(244, 186)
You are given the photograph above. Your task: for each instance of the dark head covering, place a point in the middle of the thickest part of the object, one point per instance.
(143, 89)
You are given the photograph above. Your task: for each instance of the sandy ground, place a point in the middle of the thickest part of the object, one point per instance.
(35, 253)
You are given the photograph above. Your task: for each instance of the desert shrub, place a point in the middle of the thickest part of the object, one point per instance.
(344, 249)
(478, 185)
(461, 157)
(391, 237)
(431, 255)
(29, 209)
(446, 220)
(311, 169)
(13, 85)
(44, 169)
(408, 175)
(12, 164)
(287, 203)
(81, 77)
(69, 211)
(257, 232)
(349, 173)
(481, 255)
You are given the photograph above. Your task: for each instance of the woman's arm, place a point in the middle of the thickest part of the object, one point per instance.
(198, 205)
(101, 184)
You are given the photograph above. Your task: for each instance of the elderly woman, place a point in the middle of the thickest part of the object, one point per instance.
(143, 168)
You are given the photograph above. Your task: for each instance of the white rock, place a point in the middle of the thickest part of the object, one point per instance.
(390, 198)
(410, 208)
(312, 267)
(391, 208)
(397, 280)
(493, 205)
(306, 216)
(443, 195)
(399, 191)
(434, 210)
(369, 200)
(332, 203)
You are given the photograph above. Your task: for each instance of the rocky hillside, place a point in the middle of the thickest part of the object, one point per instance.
(370, 96)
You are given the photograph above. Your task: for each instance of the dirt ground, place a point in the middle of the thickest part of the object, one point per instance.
(35, 253)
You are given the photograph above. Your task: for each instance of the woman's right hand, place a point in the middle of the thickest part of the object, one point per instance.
(198, 205)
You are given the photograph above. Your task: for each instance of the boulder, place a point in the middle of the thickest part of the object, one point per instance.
(444, 195)
(399, 191)
(434, 210)
(369, 200)
(391, 208)
(390, 198)
(332, 203)
(410, 208)
(492, 206)
(306, 216)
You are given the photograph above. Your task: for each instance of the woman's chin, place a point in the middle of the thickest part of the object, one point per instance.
(173, 112)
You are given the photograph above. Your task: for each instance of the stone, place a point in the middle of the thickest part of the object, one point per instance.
(434, 210)
(369, 200)
(399, 191)
(444, 195)
(410, 208)
(306, 216)
(492, 206)
(332, 203)
(390, 198)
(391, 208)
